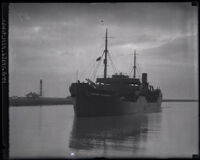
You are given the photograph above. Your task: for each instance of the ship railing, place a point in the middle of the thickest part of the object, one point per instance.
(110, 76)
(101, 76)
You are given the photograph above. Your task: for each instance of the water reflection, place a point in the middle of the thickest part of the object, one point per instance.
(52, 131)
(109, 133)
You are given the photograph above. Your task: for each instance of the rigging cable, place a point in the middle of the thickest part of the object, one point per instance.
(131, 70)
(113, 66)
(91, 65)
(138, 70)
(96, 68)
(91, 70)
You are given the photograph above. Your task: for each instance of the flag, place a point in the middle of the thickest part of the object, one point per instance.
(98, 59)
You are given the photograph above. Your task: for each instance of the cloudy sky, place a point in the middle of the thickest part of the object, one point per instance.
(60, 42)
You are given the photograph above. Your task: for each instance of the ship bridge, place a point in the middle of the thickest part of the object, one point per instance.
(119, 79)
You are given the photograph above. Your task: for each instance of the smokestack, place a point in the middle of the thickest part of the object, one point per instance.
(144, 81)
(40, 88)
(144, 78)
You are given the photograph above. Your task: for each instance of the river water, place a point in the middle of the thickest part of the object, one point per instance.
(53, 132)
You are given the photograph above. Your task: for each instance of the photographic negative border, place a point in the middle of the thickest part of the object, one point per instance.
(5, 71)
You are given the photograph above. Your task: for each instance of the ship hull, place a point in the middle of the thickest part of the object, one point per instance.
(105, 105)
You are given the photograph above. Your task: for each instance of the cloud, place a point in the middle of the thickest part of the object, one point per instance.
(55, 40)
(179, 50)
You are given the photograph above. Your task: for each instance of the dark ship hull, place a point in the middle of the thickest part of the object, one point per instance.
(108, 105)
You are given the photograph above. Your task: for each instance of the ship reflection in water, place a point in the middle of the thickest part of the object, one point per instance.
(53, 132)
(107, 135)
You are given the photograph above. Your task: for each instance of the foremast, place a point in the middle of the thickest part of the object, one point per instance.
(106, 52)
(134, 67)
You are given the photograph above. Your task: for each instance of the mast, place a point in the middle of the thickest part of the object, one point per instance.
(134, 67)
(106, 52)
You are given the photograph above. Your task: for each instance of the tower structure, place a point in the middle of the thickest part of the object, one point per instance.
(40, 87)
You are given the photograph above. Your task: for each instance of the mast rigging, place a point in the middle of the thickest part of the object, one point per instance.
(106, 52)
(134, 67)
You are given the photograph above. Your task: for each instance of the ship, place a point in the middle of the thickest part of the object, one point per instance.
(119, 94)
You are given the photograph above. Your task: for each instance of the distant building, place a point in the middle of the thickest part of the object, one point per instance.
(32, 95)
(14, 97)
(69, 97)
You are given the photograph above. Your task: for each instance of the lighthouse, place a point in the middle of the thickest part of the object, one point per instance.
(41, 88)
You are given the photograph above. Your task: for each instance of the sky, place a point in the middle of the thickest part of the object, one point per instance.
(59, 43)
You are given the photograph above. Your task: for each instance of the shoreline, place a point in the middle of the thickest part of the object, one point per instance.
(23, 101)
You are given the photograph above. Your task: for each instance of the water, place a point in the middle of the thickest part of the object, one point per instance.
(52, 131)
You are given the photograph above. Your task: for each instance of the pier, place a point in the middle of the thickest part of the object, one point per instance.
(24, 101)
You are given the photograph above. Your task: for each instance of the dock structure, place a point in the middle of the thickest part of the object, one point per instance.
(35, 99)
